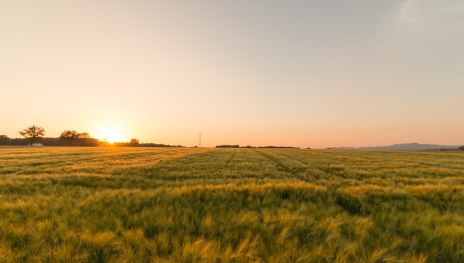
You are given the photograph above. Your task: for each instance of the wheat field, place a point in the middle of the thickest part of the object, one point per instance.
(230, 205)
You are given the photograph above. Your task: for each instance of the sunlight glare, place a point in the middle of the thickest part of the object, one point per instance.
(111, 136)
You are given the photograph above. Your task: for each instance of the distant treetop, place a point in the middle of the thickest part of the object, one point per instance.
(134, 142)
(228, 146)
(32, 133)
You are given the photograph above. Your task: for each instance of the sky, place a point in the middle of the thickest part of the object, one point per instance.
(301, 73)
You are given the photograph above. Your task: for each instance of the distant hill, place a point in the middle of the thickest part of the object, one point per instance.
(407, 147)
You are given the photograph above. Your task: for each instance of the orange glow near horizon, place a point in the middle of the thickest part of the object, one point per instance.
(111, 135)
(115, 136)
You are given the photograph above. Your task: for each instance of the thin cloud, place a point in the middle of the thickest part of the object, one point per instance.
(432, 12)
(409, 12)
(423, 26)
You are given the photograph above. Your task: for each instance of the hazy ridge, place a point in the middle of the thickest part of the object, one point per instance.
(407, 147)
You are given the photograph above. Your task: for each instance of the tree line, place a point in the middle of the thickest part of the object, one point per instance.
(248, 146)
(34, 135)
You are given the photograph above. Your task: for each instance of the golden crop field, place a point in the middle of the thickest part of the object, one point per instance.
(230, 205)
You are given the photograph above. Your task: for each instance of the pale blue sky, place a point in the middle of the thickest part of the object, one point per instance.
(304, 73)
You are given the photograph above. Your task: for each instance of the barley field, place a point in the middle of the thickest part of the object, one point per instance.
(230, 205)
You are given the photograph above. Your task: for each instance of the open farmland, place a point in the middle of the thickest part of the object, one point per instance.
(230, 205)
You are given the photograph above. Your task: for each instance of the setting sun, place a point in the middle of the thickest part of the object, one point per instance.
(111, 136)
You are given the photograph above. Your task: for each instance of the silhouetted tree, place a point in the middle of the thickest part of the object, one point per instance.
(32, 133)
(461, 148)
(74, 138)
(4, 140)
(68, 136)
(83, 135)
(228, 146)
(134, 142)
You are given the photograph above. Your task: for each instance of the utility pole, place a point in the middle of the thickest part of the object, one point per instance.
(199, 139)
